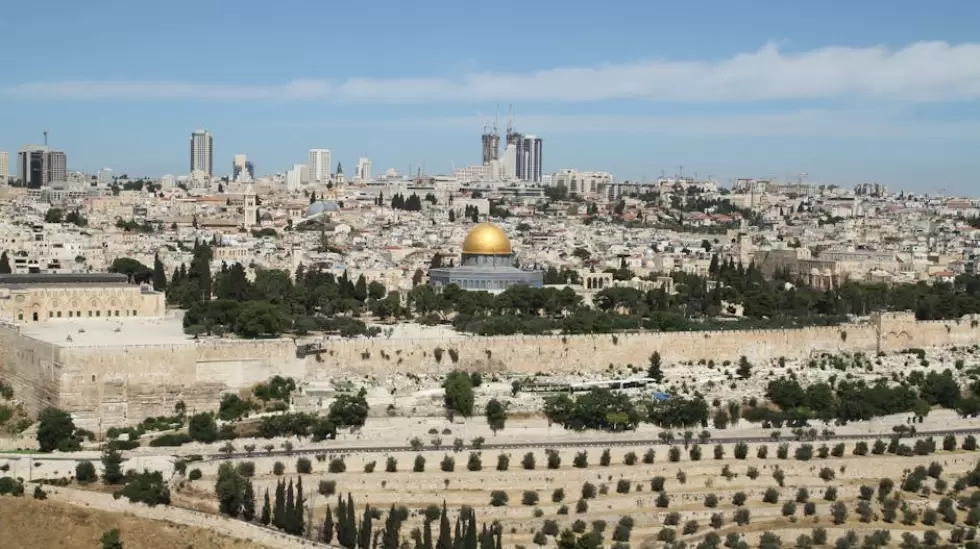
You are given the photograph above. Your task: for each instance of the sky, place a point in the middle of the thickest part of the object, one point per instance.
(884, 91)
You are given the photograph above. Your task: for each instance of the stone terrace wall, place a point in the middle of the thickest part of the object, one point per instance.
(30, 367)
(121, 385)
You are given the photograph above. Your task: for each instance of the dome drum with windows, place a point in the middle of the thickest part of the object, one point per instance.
(487, 264)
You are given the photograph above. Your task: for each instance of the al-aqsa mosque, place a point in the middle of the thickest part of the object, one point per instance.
(487, 264)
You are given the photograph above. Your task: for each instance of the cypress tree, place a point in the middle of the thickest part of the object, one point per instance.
(4, 264)
(469, 538)
(458, 533)
(499, 544)
(328, 526)
(299, 520)
(341, 521)
(280, 508)
(248, 502)
(289, 515)
(390, 537)
(445, 540)
(266, 510)
(159, 276)
(364, 536)
(351, 541)
(427, 535)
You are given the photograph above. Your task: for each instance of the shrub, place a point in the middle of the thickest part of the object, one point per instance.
(762, 452)
(695, 453)
(623, 486)
(860, 449)
(419, 465)
(581, 461)
(657, 483)
(648, 456)
(581, 506)
(741, 450)
(782, 451)
(337, 465)
(789, 509)
(630, 458)
(530, 497)
(663, 500)
(752, 473)
(949, 443)
(195, 474)
(741, 516)
(448, 464)
(327, 487)
(278, 468)
(690, 527)
(717, 520)
(579, 526)
(719, 451)
(304, 466)
(171, 439)
(738, 499)
(830, 494)
(588, 490)
(771, 495)
(246, 469)
(528, 461)
(85, 472)
(550, 528)
(826, 474)
(499, 498)
(605, 459)
(711, 501)
(802, 495)
(474, 463)
(554, 459)
(391, 465)
(369, 466)
(674, 454)
(970, 443)
(558, 495)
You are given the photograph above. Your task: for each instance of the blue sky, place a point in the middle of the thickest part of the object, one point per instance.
(875, 90)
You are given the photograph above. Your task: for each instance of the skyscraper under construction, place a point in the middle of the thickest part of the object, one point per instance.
(491, 144)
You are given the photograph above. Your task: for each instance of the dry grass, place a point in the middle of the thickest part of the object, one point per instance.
(32, 524)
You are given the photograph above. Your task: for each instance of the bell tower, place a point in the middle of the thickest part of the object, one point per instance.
(250, 208)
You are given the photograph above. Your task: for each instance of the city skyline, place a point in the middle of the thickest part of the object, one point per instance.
(891, 95)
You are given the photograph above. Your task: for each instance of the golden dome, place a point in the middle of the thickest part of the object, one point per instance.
(486, 239)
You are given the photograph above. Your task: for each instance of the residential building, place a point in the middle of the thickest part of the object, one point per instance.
(4, 168)
(242, 169)
(202, 148)
(104, 178)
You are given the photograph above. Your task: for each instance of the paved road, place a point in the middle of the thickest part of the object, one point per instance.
(579, 444)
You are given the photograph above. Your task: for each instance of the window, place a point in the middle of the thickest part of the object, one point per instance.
(117, 313)
(34, 316)
(98, 313)
(70, 313)
(20, 316)
(59, 314)
(134, 312)
(90, 313)
(79, 313)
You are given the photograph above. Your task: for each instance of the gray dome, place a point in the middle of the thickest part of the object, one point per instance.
(321, 206)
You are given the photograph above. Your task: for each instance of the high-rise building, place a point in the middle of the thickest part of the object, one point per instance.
(38, 166)
(4, 168)
(319, 165)
(363, 169)
(202, 148)
(105, 177)
(491, 144)
(529, 159)
(242, 169)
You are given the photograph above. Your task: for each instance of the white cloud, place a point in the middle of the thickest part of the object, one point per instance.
(919, 72)
(804, 123)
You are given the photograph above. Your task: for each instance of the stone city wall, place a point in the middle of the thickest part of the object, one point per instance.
(121, 385)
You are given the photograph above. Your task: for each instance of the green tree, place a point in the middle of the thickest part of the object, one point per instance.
(112, 472)
(203, 428)
(328, 526)
(5, 264)
(445, 539)
(159, 275)
(266, 515)
(496, 415)
(110, 539)
(230, 488)
(248, 502)
(349, 410)
(655, 372)
(56, 431)
(458, 398)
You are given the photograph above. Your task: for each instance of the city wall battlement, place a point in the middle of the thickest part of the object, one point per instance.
(106, 386)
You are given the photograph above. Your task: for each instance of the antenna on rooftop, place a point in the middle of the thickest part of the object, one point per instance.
(45, 138)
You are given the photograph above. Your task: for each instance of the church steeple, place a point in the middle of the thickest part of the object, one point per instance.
(340, 170)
